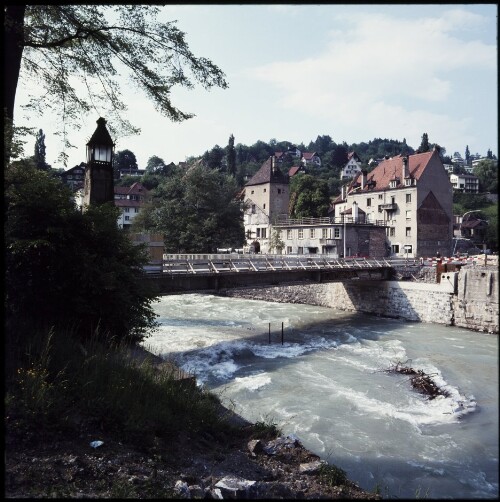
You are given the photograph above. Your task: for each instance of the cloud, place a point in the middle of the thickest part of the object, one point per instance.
(376, 63)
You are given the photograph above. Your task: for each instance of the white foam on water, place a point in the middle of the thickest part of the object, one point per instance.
(251, 382)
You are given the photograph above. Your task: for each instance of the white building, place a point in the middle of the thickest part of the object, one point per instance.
(466, 183)
(413, 196)
(266, 221)
(130, 201)
(352, 168)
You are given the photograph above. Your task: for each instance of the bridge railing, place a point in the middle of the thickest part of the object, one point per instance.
(215, 264)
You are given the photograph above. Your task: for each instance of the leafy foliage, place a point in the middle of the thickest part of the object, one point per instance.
(65, 268)
(487, 172)
(124, 159)
(310, 197)
(65, 47)
(424, 145)
(40, 155)
(196, 210)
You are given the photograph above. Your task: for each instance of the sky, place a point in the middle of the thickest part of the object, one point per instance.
(296, 72)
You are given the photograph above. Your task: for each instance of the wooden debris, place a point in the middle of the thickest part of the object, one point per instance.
(419, 380)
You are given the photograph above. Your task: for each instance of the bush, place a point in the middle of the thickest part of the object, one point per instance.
(67, 269)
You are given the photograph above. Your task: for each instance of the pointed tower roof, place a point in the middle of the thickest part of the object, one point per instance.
(269, 172)
(101, 135)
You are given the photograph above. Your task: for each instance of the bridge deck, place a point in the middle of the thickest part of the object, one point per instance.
(227, 264)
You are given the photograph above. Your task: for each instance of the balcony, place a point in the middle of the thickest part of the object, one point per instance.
(392, 206)
(329, 242)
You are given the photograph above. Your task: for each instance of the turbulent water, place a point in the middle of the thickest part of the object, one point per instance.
(322, 378)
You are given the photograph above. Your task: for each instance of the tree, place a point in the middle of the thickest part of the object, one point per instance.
(196, 210)
(309, 197)
(155, 164)
(213, 159)
(66, 269)
(467, 155)
(487, 172)
(231, 157)
(275, 240)
(39, 156)
(339, 156)
(57, 45)
(124, 159)
(424, 145)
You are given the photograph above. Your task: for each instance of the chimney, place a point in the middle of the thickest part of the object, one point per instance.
(342, 192)
(406, 171)
(273, 166)
(363, 179)
(355, 212)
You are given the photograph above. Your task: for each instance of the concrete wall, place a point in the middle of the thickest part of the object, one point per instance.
(466, 299)
(476, 304)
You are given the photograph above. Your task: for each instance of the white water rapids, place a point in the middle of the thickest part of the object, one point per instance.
(326, 384)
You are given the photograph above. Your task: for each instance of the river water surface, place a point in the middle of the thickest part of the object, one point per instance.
(322, 378)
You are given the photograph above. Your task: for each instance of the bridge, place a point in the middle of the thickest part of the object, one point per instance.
(213, 272)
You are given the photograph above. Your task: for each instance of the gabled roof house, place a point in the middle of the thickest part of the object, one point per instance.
(413, 196)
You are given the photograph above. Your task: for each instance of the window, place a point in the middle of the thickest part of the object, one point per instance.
(380, 196)
(312, 233)
(392, 231)
(253, 208)
(252, 192)
(263, 233)
(127, 218)
(408, 182)
(300, 250)
(336, 233)
(127, 209)
(408, 215)
(136, 210)
(279, 190)
(380, 208)
(324, 233)
(289, 250)
(408, 231)
(265, 190)
(392, 184)
(368, 202)
(301, 233)
(258, 233)
(263, 206)
(408, 198)
(408, 248)
(289, 234)
(395, 248)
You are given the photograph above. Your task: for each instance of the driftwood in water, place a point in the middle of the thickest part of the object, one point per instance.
(419, 380)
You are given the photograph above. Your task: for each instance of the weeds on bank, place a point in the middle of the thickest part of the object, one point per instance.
(332, 475)
(54, 378)
(266, 429)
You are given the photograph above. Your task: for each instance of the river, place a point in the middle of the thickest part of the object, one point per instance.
(322, 378)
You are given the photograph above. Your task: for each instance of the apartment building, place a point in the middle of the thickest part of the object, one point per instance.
(413, 196)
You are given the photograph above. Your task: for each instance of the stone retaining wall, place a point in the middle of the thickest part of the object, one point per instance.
(468, 298)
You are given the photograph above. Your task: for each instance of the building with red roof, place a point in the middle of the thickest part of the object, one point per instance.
(413, 196)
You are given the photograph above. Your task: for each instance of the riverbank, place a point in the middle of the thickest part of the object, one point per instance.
(239, 460)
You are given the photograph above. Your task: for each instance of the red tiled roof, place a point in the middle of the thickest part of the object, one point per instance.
(136, 189)
(308, 155)
(293, 170)
(389, 169)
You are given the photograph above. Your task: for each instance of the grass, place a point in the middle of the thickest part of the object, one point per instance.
(55, 378)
